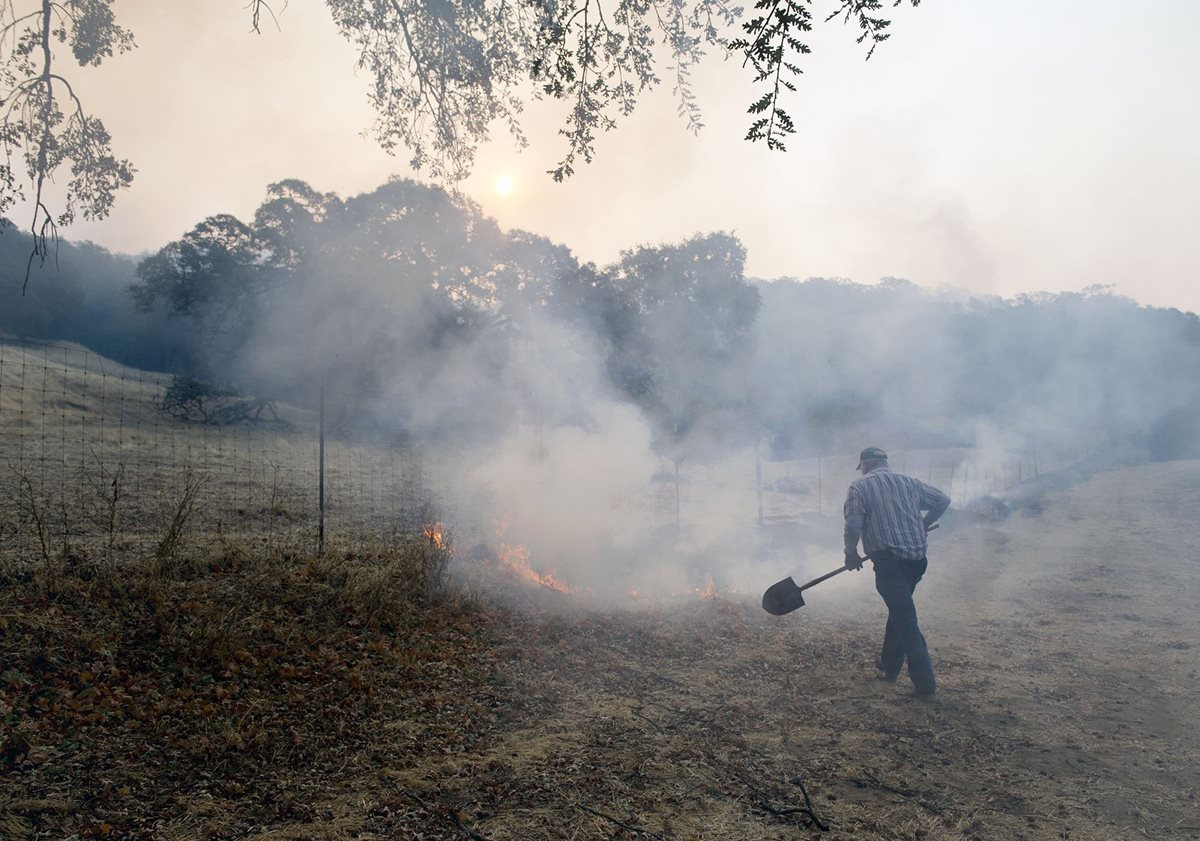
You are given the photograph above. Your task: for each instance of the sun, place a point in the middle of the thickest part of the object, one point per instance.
(505, 185)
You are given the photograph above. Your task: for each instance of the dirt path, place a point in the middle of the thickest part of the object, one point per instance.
(1066, 646)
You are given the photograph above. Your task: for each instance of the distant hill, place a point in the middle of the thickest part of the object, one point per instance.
(80, 295)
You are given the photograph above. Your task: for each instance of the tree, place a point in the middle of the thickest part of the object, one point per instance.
(407, 293)
(44, 124)
(445, 70)
(681, 342)
(442, 73)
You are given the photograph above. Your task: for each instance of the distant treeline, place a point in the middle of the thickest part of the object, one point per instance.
(439, 324)
(933, 368)
(81, 294)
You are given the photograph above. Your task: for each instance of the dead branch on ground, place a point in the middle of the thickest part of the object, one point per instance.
(637, 830)
(765, 804)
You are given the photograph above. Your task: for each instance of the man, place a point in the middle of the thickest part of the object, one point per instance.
(884, 509)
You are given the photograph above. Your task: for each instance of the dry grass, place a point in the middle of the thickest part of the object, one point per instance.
(205, 701)
(279, 698)
(1061, 716)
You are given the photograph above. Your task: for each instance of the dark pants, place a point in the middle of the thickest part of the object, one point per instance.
(896, 579)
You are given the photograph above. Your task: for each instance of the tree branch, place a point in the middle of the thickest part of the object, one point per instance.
(17, 21)
(39, 238)
(257, 6)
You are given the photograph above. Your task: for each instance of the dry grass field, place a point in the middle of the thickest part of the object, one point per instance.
(77, 428)
(276, 699)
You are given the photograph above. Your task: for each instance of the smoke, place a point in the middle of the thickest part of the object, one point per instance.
(607, 419)
(569, 493)
(912, 368)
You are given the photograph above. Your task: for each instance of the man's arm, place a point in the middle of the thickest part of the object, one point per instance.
(855, 517)
(852, 531)
(934, 502)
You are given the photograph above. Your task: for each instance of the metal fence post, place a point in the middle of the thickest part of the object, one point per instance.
(321, 471)
(758, 480)
(820, 495)
(677, 522)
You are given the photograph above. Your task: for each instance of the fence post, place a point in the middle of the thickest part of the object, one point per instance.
(758, 480)
(677, 522)
(321, 471)
(819, 494)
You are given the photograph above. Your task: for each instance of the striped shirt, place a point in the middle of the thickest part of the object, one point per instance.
(885, 508)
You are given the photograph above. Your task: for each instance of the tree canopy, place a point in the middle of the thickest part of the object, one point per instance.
(442, 73)
(43, 123)
(409, 291)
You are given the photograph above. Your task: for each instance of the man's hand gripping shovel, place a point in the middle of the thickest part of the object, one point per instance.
(785, 596)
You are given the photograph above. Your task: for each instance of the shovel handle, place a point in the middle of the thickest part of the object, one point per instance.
(826, 576)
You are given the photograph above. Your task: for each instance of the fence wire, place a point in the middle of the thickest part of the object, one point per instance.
(91, 451)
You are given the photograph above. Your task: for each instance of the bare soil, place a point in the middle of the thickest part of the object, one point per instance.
(1066, 645)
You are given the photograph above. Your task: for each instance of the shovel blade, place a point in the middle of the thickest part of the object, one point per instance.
(782, 597)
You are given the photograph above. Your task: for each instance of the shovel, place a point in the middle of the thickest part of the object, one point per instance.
(784, 596)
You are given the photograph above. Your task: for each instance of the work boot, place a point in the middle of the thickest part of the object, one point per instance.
(881, 673)
(927, 696)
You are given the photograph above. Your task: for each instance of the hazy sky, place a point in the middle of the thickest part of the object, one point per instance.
(996, 146)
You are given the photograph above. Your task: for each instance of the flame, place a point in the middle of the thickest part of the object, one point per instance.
(436, 532)
(515, 559)
(709, 590)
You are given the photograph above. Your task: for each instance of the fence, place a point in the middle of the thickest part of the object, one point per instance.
(749, 489)
(92, 450)
(969, 476)
(89, 448)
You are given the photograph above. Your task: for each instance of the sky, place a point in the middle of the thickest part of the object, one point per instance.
(998, 147)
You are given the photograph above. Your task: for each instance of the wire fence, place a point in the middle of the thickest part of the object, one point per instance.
(973, 479)
(979, 481)
(90, 448)
(94, 451)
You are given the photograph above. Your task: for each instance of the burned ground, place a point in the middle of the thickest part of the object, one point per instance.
(269, 702)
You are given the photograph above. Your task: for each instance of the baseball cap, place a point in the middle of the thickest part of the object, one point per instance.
(870, 454)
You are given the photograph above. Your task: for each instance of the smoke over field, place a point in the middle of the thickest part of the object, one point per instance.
(634, 424)
(206, 690)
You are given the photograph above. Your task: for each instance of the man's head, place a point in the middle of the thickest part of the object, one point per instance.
(870, 458)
